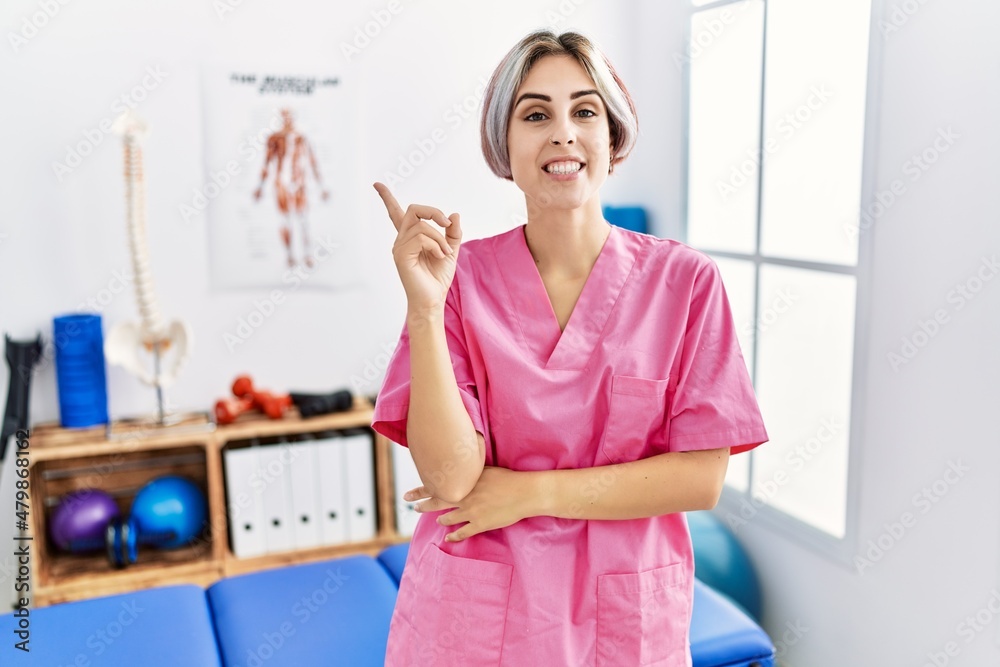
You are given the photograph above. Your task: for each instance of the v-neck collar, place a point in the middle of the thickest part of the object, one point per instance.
(569, 349)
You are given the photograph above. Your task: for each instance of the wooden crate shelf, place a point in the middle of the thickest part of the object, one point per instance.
(64, 460)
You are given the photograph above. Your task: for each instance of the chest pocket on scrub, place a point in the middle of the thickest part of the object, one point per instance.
(637, 418)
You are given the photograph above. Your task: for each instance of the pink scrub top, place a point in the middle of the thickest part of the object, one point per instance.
(648, 363)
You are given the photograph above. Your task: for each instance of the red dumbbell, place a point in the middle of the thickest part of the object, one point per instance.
(228, 409)
(273, 405)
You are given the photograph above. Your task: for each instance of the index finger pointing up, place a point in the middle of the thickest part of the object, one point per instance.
(391, 205)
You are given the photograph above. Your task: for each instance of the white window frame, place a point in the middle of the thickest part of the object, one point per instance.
(840, 550)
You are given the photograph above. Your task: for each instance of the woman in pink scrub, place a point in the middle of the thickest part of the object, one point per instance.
(567, 390)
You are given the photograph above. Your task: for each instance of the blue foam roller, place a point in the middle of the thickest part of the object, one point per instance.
(80, 370)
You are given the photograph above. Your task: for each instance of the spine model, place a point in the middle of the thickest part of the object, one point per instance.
(133, 134)
(152, 335)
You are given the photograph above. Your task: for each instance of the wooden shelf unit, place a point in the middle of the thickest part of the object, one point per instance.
(64, 460)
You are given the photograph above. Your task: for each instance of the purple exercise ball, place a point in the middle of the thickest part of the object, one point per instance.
(82, 516)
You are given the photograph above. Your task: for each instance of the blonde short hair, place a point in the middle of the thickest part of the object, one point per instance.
(498, 103)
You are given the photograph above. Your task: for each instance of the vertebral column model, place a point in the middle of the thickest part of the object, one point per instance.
(127, 340)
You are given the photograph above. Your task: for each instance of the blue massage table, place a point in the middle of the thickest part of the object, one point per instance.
(334, 612)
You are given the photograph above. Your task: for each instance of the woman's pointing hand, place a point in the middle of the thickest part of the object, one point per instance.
(425, 258)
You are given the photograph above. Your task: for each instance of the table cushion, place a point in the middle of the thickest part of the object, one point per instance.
(332, 612)
(723, 636)
(154, 627)
(394, 558)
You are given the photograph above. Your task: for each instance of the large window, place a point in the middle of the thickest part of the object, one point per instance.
(776, 107)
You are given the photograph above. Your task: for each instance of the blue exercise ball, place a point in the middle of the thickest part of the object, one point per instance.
(721, 562)
(172, 506)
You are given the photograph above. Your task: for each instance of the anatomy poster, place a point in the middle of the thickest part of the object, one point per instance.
(277, 144)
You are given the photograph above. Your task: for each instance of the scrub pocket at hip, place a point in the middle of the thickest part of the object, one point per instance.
(643, 618)
(637, 419)
(452, 611)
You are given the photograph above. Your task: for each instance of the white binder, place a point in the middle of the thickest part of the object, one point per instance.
(359, 465)
(405, 477)
(276, 495)
(304, 480)
(329, 452)
(245, 505)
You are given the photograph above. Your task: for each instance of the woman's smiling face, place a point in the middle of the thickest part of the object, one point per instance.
(559, 139)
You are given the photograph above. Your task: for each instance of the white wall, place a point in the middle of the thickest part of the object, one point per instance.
(60, 243)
